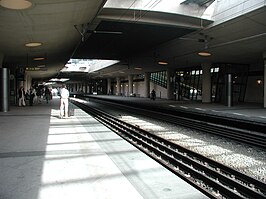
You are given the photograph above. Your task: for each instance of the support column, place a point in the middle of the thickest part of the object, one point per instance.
(229, 90)
(130, 85)
(118, 86)
(86, 87)
(147, 76)
(4, 89)
(264, 80)
(206, 82)
(109, 86)
(170, 84)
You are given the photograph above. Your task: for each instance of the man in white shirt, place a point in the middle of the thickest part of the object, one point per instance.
(64, 95)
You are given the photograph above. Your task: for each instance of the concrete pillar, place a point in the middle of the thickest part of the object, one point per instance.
(147, 76)
(82, 87)
(229, 89)
(170, 84)
(206, 82)
(4, 89)
(118, 86)
(130, 84)
(264, 80)
(109, 86)
(27, 82)
(86, 87)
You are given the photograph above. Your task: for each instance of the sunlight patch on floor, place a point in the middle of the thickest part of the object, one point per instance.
(76, 167)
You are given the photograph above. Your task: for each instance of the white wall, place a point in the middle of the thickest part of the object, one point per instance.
(138, 89)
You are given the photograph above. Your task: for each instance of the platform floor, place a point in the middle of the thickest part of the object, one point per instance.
(44, 157)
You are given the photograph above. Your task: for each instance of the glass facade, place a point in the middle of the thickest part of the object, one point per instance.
(188, 82)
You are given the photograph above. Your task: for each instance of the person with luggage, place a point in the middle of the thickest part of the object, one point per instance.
(64, 95)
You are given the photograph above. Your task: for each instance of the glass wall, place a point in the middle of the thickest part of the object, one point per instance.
(159, 78)
(188, 82)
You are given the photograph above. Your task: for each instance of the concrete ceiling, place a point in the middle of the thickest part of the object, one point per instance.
(50, 22)
(82, 29)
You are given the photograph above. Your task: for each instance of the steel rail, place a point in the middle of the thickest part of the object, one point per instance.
(251, 137)
(211, 178)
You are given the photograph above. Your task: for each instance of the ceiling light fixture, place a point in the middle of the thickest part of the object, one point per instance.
(204, 54)
(163, 63)
(138, 68)
(33, 44)
(15, 4)
(38, 58)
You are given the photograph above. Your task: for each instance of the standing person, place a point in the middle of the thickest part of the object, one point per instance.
(47, 94)
(153, 94)
(21, 97)
(64, 95)
(32, 94)
(39, 95)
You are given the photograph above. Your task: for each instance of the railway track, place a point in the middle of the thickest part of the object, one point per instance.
(208, 124)
(213, 179)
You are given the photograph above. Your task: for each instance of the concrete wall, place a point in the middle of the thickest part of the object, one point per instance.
(138, 89)
(161, 92)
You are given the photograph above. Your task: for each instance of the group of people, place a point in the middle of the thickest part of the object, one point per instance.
(33, 96)
(23, 96)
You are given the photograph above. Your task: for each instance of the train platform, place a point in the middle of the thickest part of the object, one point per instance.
(45, 157)
(244, 111)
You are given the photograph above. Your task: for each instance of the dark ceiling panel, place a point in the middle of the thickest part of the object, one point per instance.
(134, 39)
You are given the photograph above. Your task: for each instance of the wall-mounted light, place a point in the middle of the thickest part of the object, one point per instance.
(259, 81)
